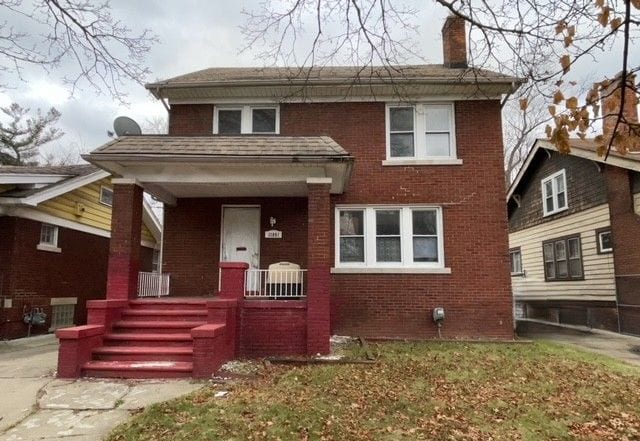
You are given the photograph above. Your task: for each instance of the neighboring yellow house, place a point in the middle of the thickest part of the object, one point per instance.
(55, 226)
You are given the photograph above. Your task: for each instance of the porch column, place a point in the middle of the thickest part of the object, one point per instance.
(124, 247)
(319, 264)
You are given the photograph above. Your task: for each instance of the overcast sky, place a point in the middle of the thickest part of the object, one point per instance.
(193, 35)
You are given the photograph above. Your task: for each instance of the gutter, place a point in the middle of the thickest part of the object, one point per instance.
(95, 158)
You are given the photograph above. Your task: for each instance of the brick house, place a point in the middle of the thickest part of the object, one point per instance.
(54, 244)
(574, 229)
(380, 193)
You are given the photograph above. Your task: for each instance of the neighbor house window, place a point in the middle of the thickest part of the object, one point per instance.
(48, 238)
(246, 119)
(106, 196)
(604, 242)
(421, 131)
(62, 312)
(515, 256)
(554, 193)
(393, 237)
(563, 259)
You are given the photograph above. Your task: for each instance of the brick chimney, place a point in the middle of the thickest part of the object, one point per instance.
(454, 42)
(611, 104)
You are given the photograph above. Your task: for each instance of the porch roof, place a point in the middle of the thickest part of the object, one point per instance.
(223, 146)
(172, 167)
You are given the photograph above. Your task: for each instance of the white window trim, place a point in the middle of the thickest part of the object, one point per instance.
(419, 141)
(46, 246)
(406, 265)
(246, 118)
(102, 188)
(601, 247)
(554, 190)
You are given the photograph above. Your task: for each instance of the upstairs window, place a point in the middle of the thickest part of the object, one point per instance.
(563, 259)
(554, 193)
(246, 119)
(421, 131)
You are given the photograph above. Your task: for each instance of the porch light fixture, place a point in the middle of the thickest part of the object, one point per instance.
(272, 221)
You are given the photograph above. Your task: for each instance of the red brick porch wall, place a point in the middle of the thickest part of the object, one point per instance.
(192, 239)
(32, 277)
(273, 327)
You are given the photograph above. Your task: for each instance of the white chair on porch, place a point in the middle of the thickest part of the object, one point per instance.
(284, 279)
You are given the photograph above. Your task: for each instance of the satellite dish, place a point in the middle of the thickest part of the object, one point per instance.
(123, 125)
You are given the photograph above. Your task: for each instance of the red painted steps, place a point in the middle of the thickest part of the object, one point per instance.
(165, 314)
(143, 353)
(138, 369)
(156, 326)
(152, 339)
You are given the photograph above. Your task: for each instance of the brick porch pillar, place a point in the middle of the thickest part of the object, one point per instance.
(124, 247)
(319, 263)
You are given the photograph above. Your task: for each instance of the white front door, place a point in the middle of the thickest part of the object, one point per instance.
(241, 235)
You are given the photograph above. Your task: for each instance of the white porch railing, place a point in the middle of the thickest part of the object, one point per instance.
(264, 283)
(153, 284)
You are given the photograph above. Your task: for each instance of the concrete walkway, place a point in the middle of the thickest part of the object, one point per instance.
(34, 405)
(614, 345)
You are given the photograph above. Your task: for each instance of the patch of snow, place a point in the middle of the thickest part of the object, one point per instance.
(221, 394)
(330, 357)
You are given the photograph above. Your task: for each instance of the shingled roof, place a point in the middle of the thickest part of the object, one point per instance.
(367, 74)
(223, 146)
(62, 170)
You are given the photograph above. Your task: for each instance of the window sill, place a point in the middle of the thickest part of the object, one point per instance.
(49, 248)
(551, 213)
(389, 270)
(407, 162)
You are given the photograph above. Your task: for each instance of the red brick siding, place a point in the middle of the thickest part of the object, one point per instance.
(273, 328)
(476, 296)
(192, 239)
(32, 277)
(625, 230)
(192, 119)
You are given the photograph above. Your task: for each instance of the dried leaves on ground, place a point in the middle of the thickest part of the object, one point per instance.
(430, 391)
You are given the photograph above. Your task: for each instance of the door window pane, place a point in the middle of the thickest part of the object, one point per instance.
(264, 120)
(229, 122)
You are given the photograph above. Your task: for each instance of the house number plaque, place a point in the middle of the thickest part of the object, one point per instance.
(273, 234)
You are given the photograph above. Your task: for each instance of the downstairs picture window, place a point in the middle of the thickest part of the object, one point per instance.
(394, 237)
(563, 259)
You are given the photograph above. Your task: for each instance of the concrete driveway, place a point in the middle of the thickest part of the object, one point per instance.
(37, 406)
(622, 347)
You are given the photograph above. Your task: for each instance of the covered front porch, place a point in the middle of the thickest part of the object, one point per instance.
(247, 233)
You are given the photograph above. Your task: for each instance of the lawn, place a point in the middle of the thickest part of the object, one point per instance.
(430, 391)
